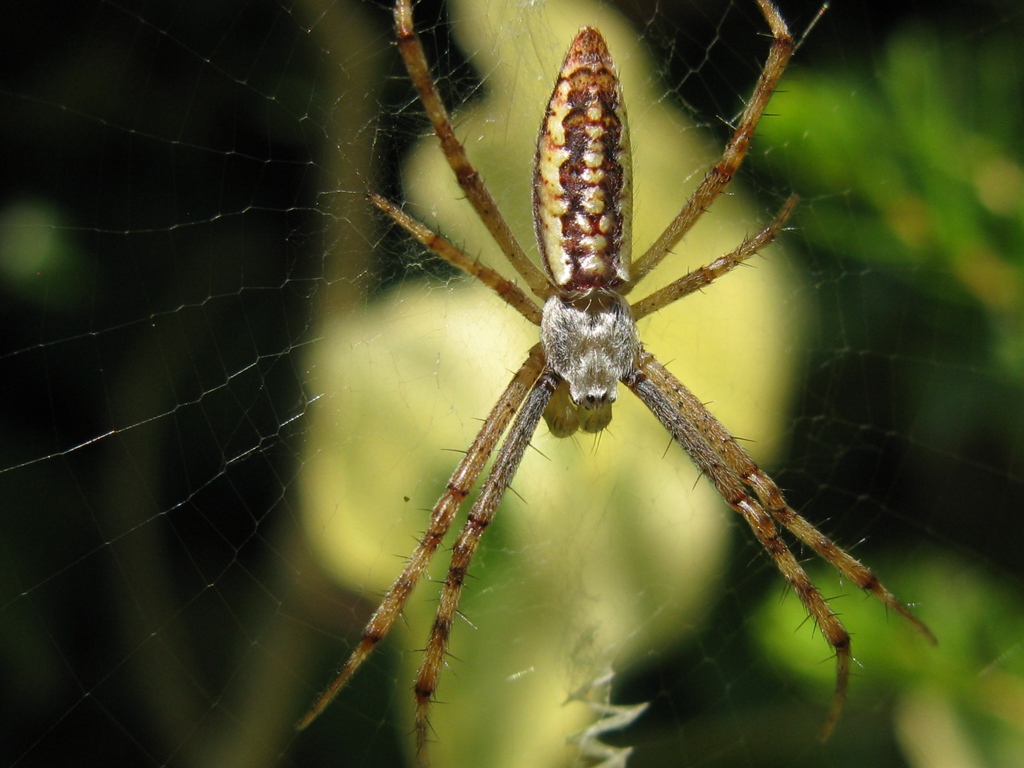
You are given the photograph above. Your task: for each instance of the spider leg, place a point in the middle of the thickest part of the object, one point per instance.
(772, 498)
(704, 276)
(508, 291)
(506, 463)
(682, 425)
(459, 485)
(468, 177)
(719, 177)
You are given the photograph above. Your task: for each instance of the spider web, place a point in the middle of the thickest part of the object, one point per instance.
(233, 391)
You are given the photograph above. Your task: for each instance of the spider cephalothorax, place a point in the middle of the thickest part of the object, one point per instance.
(591, 342)
(588, 338)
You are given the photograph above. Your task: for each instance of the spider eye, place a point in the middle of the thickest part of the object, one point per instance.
(592, 400)
(599, 400)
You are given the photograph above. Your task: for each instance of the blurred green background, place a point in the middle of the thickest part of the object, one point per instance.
(183, 203)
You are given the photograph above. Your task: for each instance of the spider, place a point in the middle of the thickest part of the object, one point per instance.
(582, 202)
